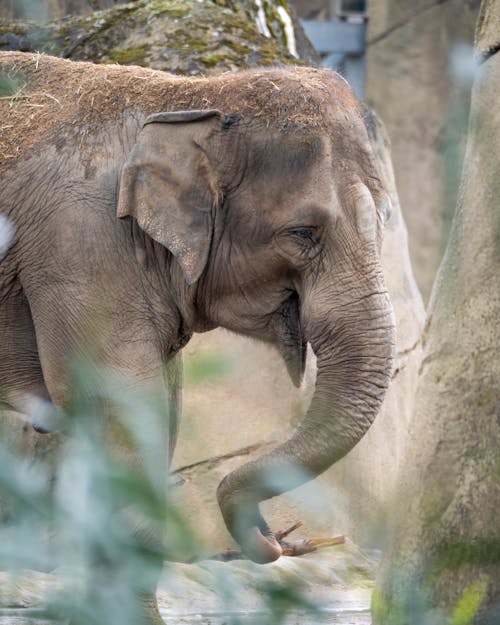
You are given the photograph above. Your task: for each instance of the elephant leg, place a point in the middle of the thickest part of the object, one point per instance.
(22, 387)
(138, 369)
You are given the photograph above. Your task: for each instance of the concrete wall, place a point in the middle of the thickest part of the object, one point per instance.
(412, 84)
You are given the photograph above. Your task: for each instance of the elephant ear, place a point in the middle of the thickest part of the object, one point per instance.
(169, 186)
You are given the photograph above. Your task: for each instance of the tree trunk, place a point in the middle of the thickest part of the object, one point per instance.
(443, 565)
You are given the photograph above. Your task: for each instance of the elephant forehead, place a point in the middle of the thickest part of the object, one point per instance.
(312, 178)
(312, 201)
(284, 163)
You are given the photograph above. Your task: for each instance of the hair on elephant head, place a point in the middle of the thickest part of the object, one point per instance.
(278, 232)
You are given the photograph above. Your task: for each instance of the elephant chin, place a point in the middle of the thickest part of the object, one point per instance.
(289, 338)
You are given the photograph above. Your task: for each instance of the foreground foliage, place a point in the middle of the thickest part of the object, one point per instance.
(82, 522)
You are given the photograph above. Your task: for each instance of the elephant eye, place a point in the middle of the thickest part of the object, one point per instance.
(305, 234)
(300, 245)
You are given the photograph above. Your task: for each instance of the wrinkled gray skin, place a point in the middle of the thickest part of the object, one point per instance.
(223, 222)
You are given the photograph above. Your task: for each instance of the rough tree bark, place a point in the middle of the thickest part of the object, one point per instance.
(444, 561)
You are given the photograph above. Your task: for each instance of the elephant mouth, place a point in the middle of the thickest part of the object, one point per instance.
(291, 343)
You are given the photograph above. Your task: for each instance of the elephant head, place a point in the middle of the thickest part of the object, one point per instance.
(276, 228)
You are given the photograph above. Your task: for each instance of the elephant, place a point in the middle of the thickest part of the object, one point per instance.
(249, 201)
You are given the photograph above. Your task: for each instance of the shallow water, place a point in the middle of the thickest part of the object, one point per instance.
(23, 616)
(256, 618)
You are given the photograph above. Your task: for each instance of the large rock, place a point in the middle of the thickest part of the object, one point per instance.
(444, 558)
(45, 10)
(188, 37)
(413, 84)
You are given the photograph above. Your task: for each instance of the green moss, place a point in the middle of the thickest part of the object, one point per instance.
(234, 24)
(214, 60)
(100, 21)
(15, 29)
(488, 398)
(268, 53)
(198, 44)
(77, 32)
(176, 10)
(481, 552)
(273, 20)
(129, 56)
(434, 502)
(237, 47)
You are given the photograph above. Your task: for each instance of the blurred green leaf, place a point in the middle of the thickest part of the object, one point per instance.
(470, 602)
(9, 85)
(207, 367)
(92, 506)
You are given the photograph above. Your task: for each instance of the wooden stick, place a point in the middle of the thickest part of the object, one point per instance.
(309, 545)
(290, 549)
(279, 535)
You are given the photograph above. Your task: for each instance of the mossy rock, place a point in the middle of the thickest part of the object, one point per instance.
(188, 37)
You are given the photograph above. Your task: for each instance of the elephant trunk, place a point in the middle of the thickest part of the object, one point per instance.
(354, 349)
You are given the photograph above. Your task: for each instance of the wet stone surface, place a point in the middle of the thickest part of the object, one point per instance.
(334, 585)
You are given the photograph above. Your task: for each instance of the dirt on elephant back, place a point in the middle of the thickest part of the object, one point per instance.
(39, 91)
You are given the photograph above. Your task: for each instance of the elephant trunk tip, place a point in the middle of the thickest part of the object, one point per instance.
(260, 548)
(246, 525)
